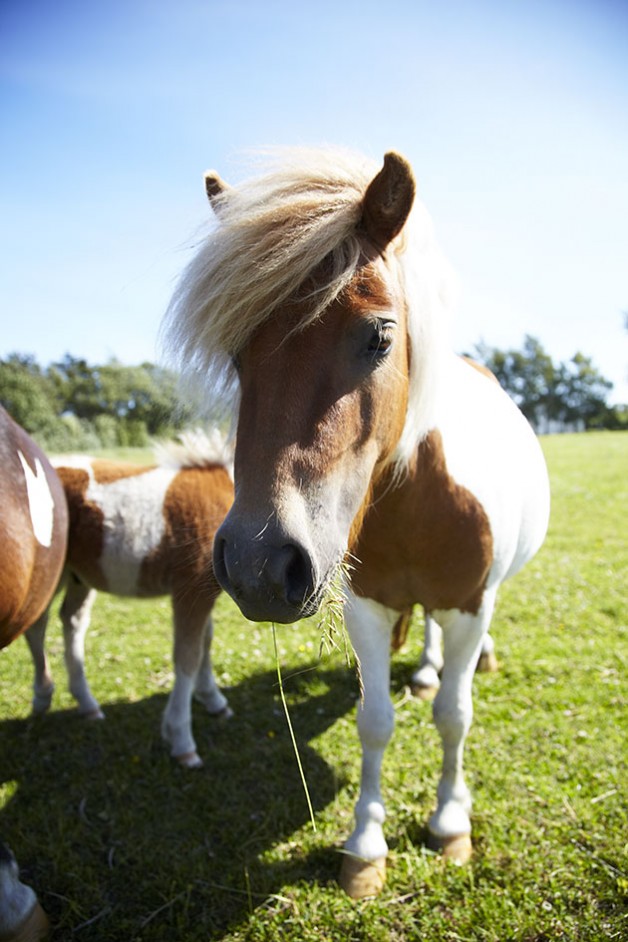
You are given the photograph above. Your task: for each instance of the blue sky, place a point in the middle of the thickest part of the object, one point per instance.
(514, 116)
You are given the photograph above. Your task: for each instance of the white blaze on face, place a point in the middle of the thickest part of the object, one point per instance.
(40, 501)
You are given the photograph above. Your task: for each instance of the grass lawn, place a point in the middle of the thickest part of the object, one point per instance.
(122, 845)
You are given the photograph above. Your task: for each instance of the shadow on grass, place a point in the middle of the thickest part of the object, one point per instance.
(120, 843)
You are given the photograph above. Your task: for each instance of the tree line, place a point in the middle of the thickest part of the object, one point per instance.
(570, 395)
(74, 406)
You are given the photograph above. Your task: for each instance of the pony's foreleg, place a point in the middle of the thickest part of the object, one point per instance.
(370, 626)
(450, 825)
(206, 690)
(189, 620)
(21, 917)
(426, 679)
(76, 611)
(43, 685)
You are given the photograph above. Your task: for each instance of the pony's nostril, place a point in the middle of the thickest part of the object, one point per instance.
(223, 572)
(298, 576)
(268, 582)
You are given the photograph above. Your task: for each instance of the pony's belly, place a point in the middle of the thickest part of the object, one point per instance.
(491, 450)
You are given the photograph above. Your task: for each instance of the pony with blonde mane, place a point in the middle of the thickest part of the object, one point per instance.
(317, 308)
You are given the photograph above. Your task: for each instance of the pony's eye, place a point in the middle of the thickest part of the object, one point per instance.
(380, 341)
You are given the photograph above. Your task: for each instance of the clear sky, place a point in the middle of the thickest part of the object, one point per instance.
(513, 113)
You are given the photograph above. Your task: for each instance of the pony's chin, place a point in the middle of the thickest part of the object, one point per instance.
(279, 611)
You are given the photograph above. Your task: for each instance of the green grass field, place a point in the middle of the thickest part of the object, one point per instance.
(121, 845)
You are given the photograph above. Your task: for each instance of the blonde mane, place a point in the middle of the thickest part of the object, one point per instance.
(270, 234)
(195, 448)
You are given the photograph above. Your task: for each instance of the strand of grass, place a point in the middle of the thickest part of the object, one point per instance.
(156, 912)
(292, 736)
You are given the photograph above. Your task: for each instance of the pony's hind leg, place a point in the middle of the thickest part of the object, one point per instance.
(450, 825)
(43, 684)
(206, 690)
(370, 626)
(487, 662)
(75, 613)
(426, 679)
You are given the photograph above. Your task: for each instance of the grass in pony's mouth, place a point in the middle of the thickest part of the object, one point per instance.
(332, 621)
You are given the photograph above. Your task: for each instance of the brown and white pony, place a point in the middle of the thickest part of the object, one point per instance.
(144, 531)
(33, 536)
(318, 302)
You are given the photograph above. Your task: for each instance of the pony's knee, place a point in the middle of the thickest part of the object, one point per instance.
(376, 722)
(451, 717)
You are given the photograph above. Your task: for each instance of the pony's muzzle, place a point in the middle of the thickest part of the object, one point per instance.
(268, 582)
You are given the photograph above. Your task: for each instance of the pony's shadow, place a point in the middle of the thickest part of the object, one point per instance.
(121, 843)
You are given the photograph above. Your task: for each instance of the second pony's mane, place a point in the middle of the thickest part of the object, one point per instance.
(272, 233)
(195, 448)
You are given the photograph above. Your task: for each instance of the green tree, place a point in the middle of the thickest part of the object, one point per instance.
(571, 393)
(527, 375)
(27, 393)
(78, 387)
(582, 392)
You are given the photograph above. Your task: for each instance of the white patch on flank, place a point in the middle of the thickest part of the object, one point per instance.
(133, 523)
(40, 501)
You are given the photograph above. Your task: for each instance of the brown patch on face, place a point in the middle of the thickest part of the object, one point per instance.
(426, 540)
(196, 503)
(309, 398)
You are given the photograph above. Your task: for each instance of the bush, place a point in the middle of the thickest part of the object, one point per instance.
(68, 434)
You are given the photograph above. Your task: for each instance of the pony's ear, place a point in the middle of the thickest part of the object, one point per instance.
(214, 186)
(388, 200)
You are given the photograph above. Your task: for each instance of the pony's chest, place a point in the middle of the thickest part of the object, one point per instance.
(427, 540)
